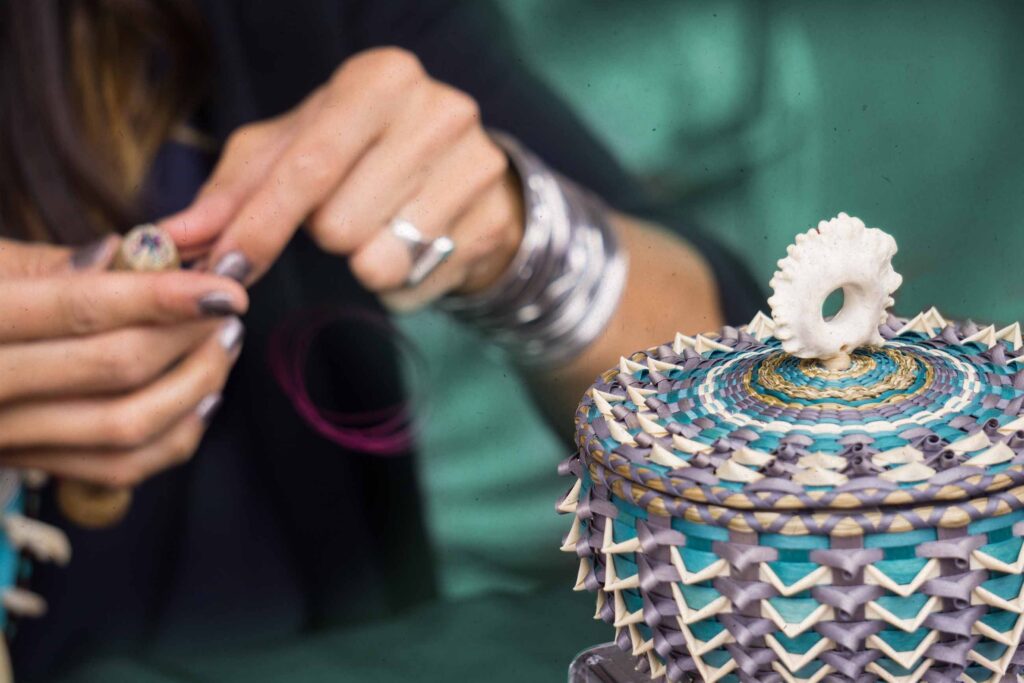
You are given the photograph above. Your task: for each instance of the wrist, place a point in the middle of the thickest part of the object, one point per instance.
(563, 285)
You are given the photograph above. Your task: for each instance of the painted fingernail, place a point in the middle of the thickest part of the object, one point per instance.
(231, 334)
(91, 254)
(216, 304)
(233, 265)
(208, 407)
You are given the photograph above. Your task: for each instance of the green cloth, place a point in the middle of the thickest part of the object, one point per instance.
(763, 118)
(488, 465)
(758, 119)
(498, 638)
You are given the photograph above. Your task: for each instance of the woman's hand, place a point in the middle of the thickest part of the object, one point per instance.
(108, 376)
(380, 141)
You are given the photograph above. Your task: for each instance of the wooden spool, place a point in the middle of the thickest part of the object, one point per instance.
(95, 506)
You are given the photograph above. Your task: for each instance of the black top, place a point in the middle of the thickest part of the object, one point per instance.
(270, 528)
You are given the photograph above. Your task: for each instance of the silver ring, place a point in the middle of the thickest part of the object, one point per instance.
(427, 255)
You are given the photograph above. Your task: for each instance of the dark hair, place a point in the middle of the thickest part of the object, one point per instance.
(88, 91)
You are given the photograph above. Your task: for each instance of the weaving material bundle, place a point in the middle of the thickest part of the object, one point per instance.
(746, 510)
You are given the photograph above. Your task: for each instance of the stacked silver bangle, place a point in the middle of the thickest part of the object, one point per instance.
(564, 284)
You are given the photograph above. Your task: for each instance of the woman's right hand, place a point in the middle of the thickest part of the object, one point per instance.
(108, 377)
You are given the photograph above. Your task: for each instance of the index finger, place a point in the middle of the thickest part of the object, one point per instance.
(351, 115)
(75, 305)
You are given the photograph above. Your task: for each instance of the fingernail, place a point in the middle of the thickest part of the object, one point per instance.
(231, 334)
(233, 265)
(90, 254)
(217, 304)
(208, 407)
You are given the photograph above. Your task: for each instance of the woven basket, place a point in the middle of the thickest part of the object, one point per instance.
(872, 536)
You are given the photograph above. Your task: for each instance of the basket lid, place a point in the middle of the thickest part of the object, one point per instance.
(756, 418)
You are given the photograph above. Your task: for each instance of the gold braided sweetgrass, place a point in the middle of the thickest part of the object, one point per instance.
(903, 377)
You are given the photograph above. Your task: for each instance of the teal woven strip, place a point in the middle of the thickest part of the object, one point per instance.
(1005, 551)
(901, 641)
(624, 565)
(794, 610)
(696, 560)
(706, 630)
(698, 597)
(717, 658)
(983, 526)
(902, 571)
(794, 542)
(905, 539)
(703, 531)
(809, 670)
(792, 572)
(1006, 586)
(1002, 621)
(621, 531)
(903, 607)
(799, 645)
(9, 557)
(990, 649)
(632, 599)
(894, 668)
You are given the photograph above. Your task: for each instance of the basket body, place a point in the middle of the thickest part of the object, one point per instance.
(747, 517)
(699, 602)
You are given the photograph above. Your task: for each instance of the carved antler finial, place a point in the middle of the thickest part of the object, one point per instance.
(839, 254)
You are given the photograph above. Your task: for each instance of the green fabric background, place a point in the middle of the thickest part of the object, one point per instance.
(764, 117)
(528, 638)
(759, 119)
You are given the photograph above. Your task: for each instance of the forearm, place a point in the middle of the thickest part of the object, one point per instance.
(669, 289)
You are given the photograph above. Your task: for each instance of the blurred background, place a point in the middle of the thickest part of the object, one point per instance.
(761, 118)
(757, 119)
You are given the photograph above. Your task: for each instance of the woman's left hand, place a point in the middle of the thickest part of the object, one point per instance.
(380, 141)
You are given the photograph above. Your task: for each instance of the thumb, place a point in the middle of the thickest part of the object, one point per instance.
(38, 258)
(248, 156)
(195, 228)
